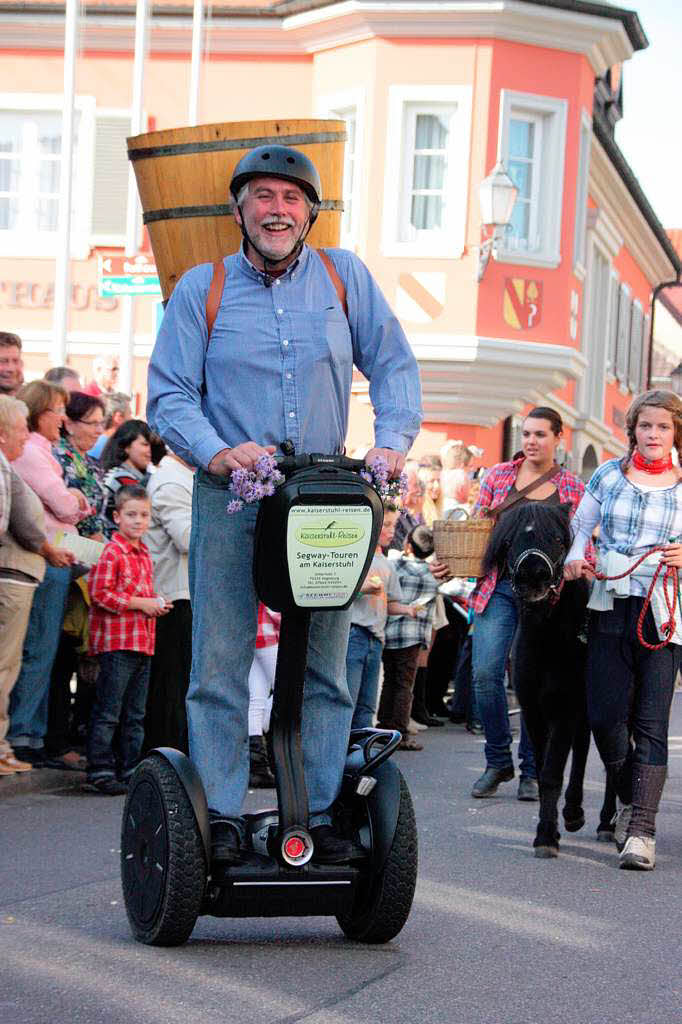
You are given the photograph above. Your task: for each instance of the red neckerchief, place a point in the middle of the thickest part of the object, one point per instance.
(653, 466)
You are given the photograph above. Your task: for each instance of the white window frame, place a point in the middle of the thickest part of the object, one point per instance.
(335, 105)
(552, 111)
(449, 242)
(581, 193)
(44, 244)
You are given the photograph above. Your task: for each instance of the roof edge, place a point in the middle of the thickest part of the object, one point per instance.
(629, 18)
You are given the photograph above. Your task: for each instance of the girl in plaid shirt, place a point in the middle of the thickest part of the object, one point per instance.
(122, 630)
(637, 504)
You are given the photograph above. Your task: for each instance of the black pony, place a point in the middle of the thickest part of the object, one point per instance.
(530, 543)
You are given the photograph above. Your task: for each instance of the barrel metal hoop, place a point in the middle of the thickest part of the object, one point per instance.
(216, 145)
(216, 210)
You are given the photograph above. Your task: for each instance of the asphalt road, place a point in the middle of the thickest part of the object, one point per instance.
(495, 935)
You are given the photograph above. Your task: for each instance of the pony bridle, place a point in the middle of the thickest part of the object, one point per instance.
(555, 569)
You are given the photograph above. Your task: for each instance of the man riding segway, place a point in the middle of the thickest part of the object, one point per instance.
(276, 362)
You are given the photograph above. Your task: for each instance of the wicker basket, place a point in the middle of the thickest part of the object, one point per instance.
(461, 545)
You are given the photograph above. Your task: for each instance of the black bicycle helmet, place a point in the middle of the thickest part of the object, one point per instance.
(278, 162)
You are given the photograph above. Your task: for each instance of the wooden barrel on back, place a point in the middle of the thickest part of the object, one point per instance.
(183, 177)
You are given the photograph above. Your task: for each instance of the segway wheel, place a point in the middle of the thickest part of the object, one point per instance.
(163, 866)
(381, 912)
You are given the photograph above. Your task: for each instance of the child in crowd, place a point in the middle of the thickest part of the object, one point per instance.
(406, 635)
(122, 629)
(379, 595)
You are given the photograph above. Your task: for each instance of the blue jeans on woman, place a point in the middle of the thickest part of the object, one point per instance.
(494, 630)
(224, 621)
(30, 697)
(363, 665)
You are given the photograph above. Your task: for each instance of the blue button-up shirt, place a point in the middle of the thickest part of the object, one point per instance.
(280, 360)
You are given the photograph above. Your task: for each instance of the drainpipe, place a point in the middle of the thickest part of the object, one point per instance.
(62, 274)
(676, 283)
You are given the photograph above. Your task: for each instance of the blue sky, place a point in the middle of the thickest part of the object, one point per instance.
(650, 134)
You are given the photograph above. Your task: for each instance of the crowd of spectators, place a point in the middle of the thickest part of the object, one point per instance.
(67, 448)
(404, 664)
(69, 451)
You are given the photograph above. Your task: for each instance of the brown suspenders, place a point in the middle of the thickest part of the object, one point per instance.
(215, 292)
(335, 279)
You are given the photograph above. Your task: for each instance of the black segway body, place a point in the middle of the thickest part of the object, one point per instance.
(315, 539)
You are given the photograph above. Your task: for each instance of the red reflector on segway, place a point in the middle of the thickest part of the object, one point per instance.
(294, 847)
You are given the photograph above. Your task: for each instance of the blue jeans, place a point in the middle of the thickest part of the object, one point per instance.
(120, 700)
(493, 636)
(363, 663)
(224, 606)
(30, 696)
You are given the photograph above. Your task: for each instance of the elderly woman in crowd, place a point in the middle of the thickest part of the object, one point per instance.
(83, 423)
(28, 593)
(116, 411)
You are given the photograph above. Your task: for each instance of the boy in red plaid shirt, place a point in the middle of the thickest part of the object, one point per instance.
(122, 630)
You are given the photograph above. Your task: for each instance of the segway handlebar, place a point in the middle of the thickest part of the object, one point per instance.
(288, 464)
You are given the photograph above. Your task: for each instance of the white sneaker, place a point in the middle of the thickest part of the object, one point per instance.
(622, 822)
(639, 853)
(415, 727)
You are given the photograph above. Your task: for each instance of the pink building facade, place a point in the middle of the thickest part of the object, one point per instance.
(434, 95)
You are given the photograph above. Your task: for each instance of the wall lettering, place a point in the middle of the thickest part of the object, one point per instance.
(36, 295)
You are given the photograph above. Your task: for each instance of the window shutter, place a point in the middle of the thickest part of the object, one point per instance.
(110, 191)
(612, 341)
(623, 341)
(635, 367)
(646, 328)
(579, 238)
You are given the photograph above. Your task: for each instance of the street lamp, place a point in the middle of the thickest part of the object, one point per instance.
(497, 194)
(676, 380)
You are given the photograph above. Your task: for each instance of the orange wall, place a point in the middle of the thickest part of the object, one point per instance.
(547, 73)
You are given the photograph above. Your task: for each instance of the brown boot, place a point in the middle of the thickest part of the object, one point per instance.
(408, 743)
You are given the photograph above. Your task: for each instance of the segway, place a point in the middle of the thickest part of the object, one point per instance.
(315, 538)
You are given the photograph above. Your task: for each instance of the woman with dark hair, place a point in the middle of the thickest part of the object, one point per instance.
(125, 461)
(637, 503)
(83, 423)
(532, 476)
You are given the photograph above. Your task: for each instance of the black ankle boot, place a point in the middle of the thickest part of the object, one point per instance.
(260, 776)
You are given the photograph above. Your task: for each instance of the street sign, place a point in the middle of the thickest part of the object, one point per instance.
(127, 275)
